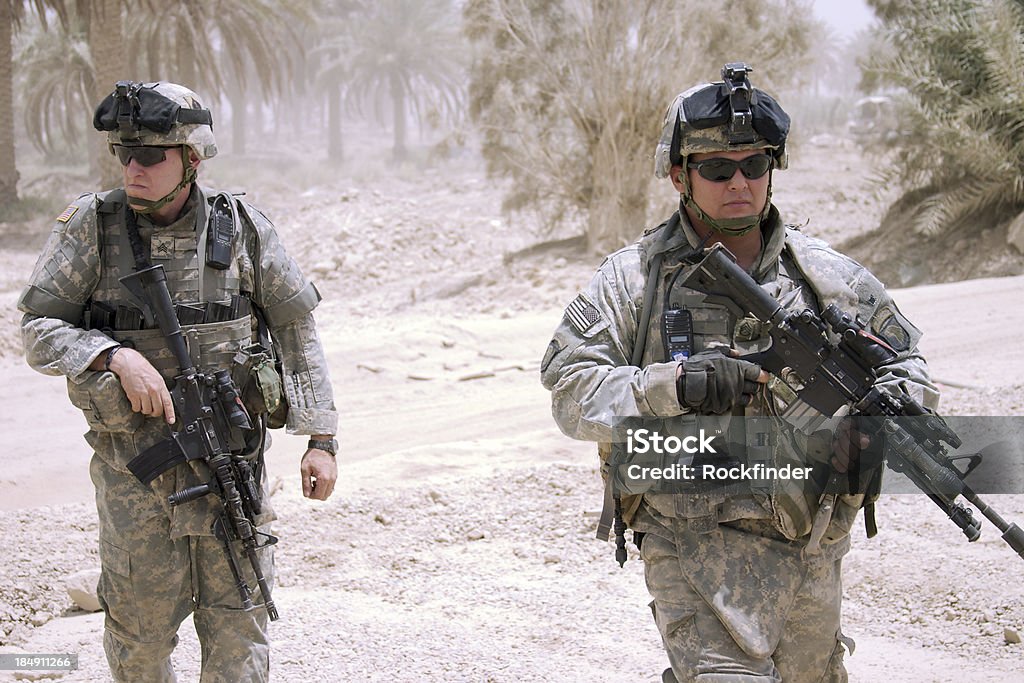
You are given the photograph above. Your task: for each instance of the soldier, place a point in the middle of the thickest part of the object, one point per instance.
(233, 287)
(741, 591)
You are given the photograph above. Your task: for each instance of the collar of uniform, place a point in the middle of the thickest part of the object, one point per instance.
(661, 239)
(773, 233)
(186, 219)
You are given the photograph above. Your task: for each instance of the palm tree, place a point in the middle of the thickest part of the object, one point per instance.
(106, 45)
(56, 82)
(960, 63)
(331, 60)
(12, 13)
(216, 47)
(259, 49)
(406, 58)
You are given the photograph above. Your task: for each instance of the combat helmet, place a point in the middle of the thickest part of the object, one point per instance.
(724, 116)
(157, 115)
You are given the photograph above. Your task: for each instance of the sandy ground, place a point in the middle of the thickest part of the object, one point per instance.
(459, 544)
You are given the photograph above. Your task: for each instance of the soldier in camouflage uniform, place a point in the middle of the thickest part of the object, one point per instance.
(161, 563)
(740, 590)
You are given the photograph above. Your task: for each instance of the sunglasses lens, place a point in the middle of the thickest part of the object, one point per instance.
(146, 156)
(720, 170)
(717, 170)
(755, 166)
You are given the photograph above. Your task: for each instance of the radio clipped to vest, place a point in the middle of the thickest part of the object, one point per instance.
(677, 332)
(221, 232)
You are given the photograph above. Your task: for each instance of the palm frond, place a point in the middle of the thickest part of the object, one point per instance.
(960, 63)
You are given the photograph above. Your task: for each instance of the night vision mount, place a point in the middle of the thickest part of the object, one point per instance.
(134, 106)
(737, 84)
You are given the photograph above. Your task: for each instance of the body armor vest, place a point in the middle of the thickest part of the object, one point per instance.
(193, 285)
(752, 436)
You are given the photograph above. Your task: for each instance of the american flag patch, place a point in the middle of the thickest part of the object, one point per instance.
(582, 314)
(68, 213)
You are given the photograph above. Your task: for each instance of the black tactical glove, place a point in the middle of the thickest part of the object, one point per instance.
(712, 382)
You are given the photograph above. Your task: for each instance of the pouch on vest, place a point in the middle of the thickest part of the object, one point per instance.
(103, 402)
(261, 390)
(268, 377)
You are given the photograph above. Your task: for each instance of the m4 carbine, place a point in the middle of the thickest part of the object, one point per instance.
(211, 418)
(841, 374)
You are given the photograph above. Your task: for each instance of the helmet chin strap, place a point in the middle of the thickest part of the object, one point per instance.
(731, 227)
(147, 206)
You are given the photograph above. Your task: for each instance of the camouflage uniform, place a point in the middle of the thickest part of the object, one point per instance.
(736, 597)
(159, 564)
(745, 575)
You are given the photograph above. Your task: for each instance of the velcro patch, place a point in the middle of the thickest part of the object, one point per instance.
(66, 215)
(892, 327)
(553, 348)
(582, 314)
(161, 246)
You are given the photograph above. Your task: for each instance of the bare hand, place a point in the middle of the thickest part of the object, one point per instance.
(319, 474)
(142, 384)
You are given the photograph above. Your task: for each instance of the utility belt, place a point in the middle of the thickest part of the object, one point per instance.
(100, 315)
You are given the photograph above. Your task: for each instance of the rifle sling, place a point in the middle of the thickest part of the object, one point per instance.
(604, 524)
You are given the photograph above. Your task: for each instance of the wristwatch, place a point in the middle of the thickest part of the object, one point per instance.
(329, 445)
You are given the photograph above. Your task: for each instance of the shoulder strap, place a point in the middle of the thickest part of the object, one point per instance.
(650, 289)
(112, 213)
(611, 510)
(815, 271)
(818, 270)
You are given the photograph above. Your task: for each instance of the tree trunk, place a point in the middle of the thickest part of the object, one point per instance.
(335, 149)
(106, 43)
(398, 105)
(8, 161)
(185, 62)
(617, 210)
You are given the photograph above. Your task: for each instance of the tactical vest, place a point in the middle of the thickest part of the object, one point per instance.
(790, 504)
(181, 249)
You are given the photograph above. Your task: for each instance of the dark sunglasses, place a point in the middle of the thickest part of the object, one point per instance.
(145, 155)
(719, 169)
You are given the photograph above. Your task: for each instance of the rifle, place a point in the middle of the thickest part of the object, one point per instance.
(212, 420)
(843, 374)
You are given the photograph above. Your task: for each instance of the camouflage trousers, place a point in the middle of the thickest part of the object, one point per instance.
(741, 605)
(152, 579)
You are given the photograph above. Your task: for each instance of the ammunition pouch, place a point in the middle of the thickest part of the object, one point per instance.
(255, 372)
(103, 402)
(100, 315)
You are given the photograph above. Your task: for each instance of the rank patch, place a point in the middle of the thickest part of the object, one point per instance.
(582, 314)
(67, 214)
(161, 246)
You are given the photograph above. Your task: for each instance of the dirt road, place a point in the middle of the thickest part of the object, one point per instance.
(459, 545)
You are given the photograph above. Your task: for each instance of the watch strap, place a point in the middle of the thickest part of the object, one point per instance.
(328, 445)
